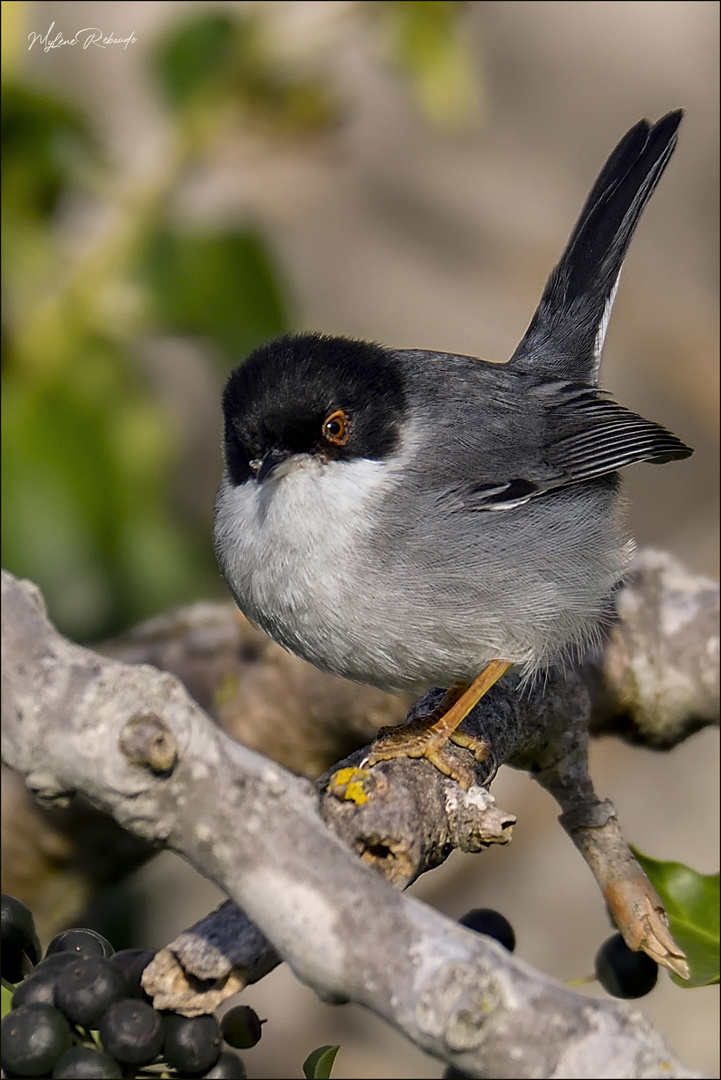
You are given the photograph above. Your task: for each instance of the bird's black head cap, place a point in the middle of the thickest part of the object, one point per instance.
(309, 393)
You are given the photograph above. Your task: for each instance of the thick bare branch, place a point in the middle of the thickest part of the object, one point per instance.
(139, 748)
(656, 681)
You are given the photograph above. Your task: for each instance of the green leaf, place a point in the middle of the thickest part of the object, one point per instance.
(193, 55)
(692, 904)
(318, 1064)
(219, 285)
(6, 997)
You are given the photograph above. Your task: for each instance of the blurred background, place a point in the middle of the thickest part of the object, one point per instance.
(189, 179)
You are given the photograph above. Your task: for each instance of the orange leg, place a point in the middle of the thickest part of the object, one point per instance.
(427, 736)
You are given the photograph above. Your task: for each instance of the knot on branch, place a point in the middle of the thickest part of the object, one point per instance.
(146, 740)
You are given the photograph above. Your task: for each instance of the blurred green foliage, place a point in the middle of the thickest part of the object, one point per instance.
(91, 452)
(193, 57)
(219, 285)
(424, 40)
(88, 449)
(226, 60)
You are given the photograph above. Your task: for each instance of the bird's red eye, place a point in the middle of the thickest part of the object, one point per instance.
(336, 427)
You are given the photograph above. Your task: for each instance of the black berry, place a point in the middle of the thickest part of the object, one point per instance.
(241, 1027)
(85, 1063)
(228, 1067)
(18, 937)
(492, 924)
(82, 941)
(55, 961)
(87, 987)
(132, 1032)
(132, 963)
(37, 989)
(623, 972)
(33, 1038)
(192, 1043)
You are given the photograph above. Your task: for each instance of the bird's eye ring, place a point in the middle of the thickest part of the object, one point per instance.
(336, 427)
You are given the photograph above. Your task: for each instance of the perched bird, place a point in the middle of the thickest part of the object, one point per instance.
(411, 519)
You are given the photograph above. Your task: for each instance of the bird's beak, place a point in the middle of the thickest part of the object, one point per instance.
(276, 463)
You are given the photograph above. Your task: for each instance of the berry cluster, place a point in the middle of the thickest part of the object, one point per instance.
(81, 1012)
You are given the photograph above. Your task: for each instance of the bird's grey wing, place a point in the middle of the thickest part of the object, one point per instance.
(587, 435)
(565, 336)
(599, 436)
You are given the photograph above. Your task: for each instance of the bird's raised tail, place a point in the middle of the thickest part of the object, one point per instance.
(565, 336)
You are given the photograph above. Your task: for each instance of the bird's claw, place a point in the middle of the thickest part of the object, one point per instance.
(419, 739)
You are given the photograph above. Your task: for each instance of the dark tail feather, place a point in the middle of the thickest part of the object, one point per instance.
(566, 334)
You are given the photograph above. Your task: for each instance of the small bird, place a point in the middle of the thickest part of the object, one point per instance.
(410, 519)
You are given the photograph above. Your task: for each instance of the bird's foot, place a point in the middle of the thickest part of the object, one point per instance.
(419, 738)
(428, 736)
